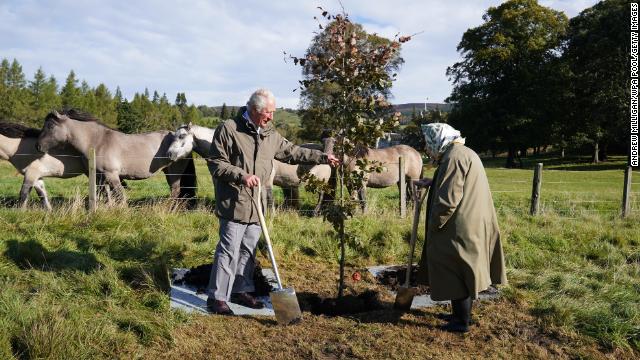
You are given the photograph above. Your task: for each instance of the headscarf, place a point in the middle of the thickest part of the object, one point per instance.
(438, 137)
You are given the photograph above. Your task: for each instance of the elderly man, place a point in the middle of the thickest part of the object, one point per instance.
(240, 159)
(462, 254)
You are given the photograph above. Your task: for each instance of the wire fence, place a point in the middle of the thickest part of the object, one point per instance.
(563, 192)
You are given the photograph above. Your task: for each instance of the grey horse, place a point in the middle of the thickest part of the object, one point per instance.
(18, 146)
(119, 155)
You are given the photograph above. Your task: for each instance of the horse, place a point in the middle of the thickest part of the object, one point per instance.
(288, 176)
(198, 138)
(388, 159)
(119, 155)
(18, 146)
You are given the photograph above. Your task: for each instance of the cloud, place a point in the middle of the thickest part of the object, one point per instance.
(221, 50)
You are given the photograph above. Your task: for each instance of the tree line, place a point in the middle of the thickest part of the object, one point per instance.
(531, 78)
(29, 101)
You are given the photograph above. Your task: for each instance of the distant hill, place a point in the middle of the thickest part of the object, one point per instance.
(407, 109)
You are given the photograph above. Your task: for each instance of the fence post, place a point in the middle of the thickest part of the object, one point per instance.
(403, 188)
(535, 192)
(92, 179)
(626, 192)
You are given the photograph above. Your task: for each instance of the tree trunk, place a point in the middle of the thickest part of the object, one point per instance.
(342, 259)
(511, 158)
(523, 152)
(342, 234)
(603, 152)
(596, 150)
(562, 152)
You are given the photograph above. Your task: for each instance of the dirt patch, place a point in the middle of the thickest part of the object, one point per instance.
(346, 305)
(504, 330)
(395, 276)
(198, 277)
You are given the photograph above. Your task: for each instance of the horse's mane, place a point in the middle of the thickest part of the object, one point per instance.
(79, 115)
(18, 131)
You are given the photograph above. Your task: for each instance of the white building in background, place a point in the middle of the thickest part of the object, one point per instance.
(389, 139)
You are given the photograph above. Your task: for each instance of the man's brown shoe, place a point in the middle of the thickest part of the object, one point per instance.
(245, 299)
(218, 307)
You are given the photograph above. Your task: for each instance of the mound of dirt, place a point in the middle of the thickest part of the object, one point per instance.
(395, 276)
(347, 304)
(198, 277)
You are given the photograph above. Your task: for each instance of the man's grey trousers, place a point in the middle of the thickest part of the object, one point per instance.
(234, 260)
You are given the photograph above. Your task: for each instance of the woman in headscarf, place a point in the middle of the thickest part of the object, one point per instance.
(462, 254)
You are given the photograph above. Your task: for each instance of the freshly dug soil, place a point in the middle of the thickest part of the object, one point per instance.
(394, 277)
(347, 304)
(198, 277)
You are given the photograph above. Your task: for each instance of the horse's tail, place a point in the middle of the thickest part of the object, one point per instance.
(188, 182)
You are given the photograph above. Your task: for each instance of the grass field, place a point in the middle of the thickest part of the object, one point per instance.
(83, 286)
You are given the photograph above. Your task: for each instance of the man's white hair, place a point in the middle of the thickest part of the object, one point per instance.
(259, 99)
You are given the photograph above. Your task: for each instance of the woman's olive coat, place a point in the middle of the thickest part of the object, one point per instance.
(462, 254)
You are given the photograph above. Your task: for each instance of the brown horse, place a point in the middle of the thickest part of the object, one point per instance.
(119, 155)
(389, 159)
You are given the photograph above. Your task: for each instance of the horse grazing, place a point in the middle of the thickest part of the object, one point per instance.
(198, 138)
(18, 146)
(119, 155)
(389, 159)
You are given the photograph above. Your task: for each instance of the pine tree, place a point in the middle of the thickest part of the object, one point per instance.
(105, 108)
(14, 102)
(117, 96)
(224, 113)
(88, 99)
(36, 87)
(4, 101)
(192, 115)
(166, 112)
(42, 95)
(142, 107)
(128, 119)
(15, 78)
(181, 104)
(70, 93)
(50, 98)
(4, 72)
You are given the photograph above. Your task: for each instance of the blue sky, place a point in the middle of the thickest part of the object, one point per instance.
(220, 51)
